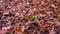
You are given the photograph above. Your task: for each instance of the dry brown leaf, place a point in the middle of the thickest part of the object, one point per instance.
(1, 15)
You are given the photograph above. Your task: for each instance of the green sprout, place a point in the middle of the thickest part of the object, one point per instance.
(33, 17)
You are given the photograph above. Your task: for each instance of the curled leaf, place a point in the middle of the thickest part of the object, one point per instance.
(54, 6)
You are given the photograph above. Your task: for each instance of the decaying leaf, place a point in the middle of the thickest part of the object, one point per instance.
(18, 28)
(58, 15)
(1, 14)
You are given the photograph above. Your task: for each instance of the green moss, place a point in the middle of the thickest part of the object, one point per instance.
(33, 17)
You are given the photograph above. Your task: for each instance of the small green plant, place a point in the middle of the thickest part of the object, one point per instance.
(33, 17)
